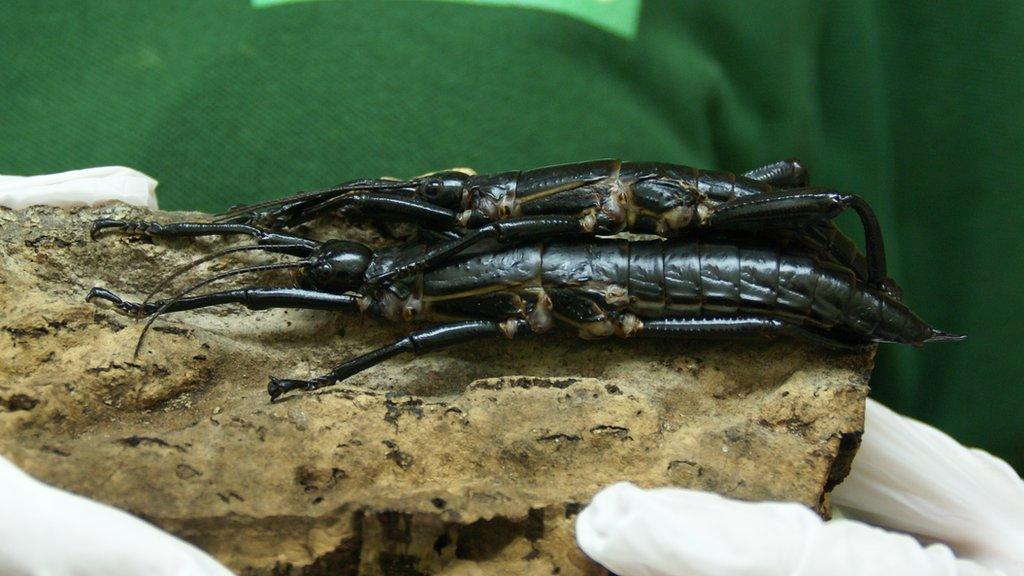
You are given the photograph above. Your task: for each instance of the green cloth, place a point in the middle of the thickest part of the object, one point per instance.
(915, 105)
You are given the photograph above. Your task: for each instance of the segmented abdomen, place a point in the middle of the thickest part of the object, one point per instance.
(600, 279)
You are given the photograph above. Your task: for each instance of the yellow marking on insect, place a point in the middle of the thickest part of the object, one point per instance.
(488, 289)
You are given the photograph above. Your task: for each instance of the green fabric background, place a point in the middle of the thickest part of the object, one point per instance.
(915, 105)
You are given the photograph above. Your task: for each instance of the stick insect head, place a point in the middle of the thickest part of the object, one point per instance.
(444, 189)
(338, 266)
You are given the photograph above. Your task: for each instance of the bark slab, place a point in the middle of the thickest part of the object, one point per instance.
(477, 458)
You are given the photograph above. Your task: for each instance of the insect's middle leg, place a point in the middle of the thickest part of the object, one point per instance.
(420, 342)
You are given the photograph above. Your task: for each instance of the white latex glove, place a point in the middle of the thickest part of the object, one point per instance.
(907, 476)
(48, 531)
(79, 188)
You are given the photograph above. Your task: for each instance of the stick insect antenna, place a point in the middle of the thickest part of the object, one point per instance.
(183, 269)
(201, 283)
(356, 186)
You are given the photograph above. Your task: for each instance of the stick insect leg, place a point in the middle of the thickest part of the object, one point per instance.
(420, 342)
(259, 298)
(792, 173)
(803, 209)
(376, 205)
(748, 326)
(295, 245)
(508, 231)
(789, 173)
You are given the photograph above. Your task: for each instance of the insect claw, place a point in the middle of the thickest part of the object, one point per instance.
(129, 308)
(105, 223)
(278, 386)
(274, 388)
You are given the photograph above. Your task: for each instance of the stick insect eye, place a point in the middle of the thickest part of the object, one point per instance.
(432, 189)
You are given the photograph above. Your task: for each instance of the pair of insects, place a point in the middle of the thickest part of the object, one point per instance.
(752, 255)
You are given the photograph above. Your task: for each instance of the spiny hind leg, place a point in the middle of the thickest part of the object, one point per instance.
(804, 209)
(744, 326)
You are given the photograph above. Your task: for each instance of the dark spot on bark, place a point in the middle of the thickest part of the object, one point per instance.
(136, 441)
(612, 389)
(559, 438)
(21, 333)
(54, 450)
(342, 560)
(177, 330)
(228, 496)
(527, 382)
(19, 402)
(678, 464)
(534, 529)
(402, 459)
(397, 526)
(412, 406)
(441, 543)
(619, 432)
(108, 321)
(572, 509)
(48, 241)
(485, 539)
(398, 564)
(184, 471)
(840, 468)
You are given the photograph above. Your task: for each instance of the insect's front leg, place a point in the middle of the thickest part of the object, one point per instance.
(254, 298)
(273, 241)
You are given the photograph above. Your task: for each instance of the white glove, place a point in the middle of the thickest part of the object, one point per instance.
(907, 476)
(79, 188)
(44, 530)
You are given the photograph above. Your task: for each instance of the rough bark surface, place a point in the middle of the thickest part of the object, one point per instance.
(475, 458)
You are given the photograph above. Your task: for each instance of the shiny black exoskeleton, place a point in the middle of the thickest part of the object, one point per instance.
(602, 197)
(512, 283)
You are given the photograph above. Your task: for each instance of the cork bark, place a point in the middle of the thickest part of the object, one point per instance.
(478, 457)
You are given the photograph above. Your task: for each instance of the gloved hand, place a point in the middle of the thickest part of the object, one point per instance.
(907, 476)
(86, 187)
(44, 530)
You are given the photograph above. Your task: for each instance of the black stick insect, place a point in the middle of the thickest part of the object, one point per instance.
(522, 276)
(607, 196)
